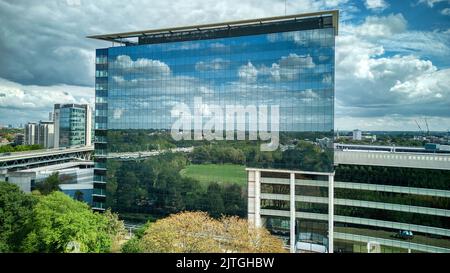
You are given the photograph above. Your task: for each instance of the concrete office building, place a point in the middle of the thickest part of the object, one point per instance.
(46, 134)
(73, 125)
(31, 137)
(357, 135)
(41, 133)
(382, 200)
(74, 176)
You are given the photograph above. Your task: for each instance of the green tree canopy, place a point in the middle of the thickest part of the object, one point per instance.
(59, 221)
(15, 214)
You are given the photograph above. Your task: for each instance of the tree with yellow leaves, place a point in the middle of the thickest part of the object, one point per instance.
(197, 232)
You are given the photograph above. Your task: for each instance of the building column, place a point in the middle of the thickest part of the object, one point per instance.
(330, 213)
(292, 212)
(257, 199)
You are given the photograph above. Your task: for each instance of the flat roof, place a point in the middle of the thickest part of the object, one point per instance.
(61, 166)
(119, 37)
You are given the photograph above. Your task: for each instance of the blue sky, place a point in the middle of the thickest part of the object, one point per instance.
(392, 57)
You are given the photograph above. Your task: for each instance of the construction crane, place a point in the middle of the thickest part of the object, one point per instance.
(428, 129)
(420, 128)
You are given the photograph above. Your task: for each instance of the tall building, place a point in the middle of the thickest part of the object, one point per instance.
(385, 199)
(41, 133)
(357, 135)
(46, 132)
(253, 93)
(31, 137)
(73, 125)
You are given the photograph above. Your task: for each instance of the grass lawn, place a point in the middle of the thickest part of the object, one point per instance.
(220, 173)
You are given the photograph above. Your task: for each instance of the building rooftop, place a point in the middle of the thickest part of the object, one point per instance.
(314, 20)
(62, 166)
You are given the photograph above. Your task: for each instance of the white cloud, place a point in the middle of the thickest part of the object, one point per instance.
(248, 72)
(313, 37)
(431, 3)
(425, 87)
(376, 4)
(390, 123)
(446, 11)
(287, 68)
(380, 27)
(24, 97)
(215, 64)
(22, 103)
(290, 66)
(424, 43)
(154, 68)
(380, 91)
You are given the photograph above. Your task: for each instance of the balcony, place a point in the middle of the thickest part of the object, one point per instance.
(100, 165)
(100, 192)
(99, 179)
(98, 206)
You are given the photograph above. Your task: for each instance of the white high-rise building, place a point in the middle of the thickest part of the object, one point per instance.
(30, 133)
(357, 134)
(46, 131)
(41, 133)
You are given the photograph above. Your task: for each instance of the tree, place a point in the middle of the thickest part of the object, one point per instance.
(213, 200)
(238, 236)
(49, 185)
(197, 232)
(15, 214)
(234, 200)
(58, 221)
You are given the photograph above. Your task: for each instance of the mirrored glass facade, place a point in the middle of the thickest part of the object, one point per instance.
(73, 125)
(177, 119)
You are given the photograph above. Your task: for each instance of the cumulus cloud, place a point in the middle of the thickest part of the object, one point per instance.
(427, 86)
(215, 64)
(431, 3)
(46, 44)
(376, 4)
(446, 11)
(383, 89)
(152, 68)
(23, 103)
(248, 72)
(290, 66)
(287, 68)
(381, 26)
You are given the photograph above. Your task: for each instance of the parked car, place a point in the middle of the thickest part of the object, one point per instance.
(404, 234)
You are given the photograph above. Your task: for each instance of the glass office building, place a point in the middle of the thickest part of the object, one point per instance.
(236, 118)
(73, 125)
(218, 98)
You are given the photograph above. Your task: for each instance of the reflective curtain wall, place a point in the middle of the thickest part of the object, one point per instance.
(178, 122)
